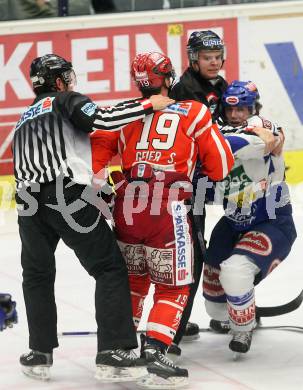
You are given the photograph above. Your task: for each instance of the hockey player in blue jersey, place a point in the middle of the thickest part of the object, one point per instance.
(8, 313)
(257, 231)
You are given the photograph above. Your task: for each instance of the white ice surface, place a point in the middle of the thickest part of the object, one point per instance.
(275, 361)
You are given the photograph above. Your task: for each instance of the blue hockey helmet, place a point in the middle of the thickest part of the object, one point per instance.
(241, 93)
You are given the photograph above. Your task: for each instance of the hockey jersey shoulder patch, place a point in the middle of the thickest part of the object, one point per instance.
(89, 108)
(267, 124)
(42, 107)
(259, 121)
(182, 108)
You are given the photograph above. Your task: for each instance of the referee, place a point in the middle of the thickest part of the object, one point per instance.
(52, 167)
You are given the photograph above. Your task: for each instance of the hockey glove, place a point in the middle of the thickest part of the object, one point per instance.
(8, 312)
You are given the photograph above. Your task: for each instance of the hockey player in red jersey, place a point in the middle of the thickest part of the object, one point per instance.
(158, 157)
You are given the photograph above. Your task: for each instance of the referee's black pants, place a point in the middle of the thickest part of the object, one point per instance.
(98, 253)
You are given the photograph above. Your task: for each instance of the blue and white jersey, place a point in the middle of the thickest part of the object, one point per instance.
(254, 190)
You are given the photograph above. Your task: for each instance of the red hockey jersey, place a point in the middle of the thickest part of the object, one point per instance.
(169, 140)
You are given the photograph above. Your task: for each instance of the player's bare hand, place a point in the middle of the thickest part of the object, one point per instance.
(279, 143)
(267, 137)
(160, 102)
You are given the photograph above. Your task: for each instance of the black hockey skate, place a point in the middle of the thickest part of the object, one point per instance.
(174, 352)
(162, 373)
(217, 326)
(36, 364)
(192, 332)
(240, 342)
(224, 326)
(119, 365)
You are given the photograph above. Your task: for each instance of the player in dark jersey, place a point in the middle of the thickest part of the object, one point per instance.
(200, 81)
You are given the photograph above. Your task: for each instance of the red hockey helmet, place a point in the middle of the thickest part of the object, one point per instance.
(150, 69)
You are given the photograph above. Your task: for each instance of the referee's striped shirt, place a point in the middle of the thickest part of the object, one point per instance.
(52, 137)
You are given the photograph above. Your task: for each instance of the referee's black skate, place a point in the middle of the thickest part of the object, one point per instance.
(162, 372)
(36, 364)
(119, 365)
(192, 332)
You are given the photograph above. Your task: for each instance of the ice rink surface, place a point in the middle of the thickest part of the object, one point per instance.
(275, 361)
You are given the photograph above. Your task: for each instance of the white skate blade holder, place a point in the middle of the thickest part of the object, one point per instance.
(153, 381)
(189, 339)
(37, 372)
(237, 356)
(106, 373)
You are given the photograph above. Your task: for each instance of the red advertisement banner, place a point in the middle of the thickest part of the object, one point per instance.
(101, 58)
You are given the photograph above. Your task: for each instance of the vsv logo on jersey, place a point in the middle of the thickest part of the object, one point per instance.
(42, 107)
(89, 108)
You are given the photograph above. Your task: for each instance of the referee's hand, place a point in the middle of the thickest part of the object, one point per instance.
(160, 102)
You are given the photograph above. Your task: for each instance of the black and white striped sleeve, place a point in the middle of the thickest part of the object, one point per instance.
(115, 117)
(87, 116)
